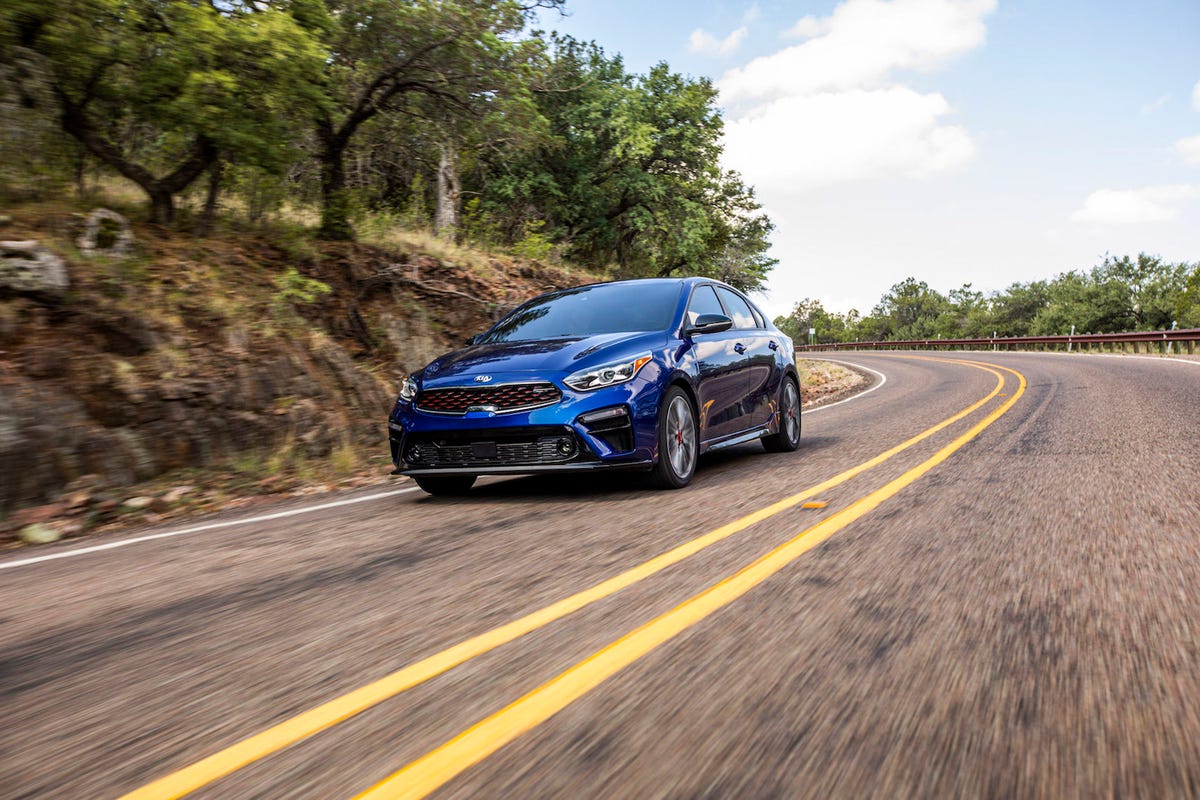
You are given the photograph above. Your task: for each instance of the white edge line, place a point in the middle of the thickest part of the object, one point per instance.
(882, 381)
(206, 527)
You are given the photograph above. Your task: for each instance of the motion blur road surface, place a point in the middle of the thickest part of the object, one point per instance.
(1013, 611)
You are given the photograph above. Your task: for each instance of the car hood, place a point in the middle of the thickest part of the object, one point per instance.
(543, 357)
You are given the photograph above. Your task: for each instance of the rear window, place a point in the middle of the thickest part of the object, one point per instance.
(590, 310)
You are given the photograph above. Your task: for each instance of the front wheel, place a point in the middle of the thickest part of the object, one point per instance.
(678, 441)
(445, 485)
(788, 437)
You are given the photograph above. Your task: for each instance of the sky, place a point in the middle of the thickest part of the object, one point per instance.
(953, 141)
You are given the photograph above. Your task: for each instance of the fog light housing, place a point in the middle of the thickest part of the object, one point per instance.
(613, 426)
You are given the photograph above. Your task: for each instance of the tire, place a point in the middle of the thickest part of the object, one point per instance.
(678, 441)
(445, 485)
(788, 437)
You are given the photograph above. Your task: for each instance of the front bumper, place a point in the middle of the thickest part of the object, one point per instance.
(612, 428)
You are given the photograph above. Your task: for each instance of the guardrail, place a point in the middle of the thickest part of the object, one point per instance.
(1165, 342)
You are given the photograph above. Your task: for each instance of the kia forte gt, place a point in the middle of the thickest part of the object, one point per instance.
(630, 375)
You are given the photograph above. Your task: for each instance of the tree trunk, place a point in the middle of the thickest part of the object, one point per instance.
(445, 221)
(335, 200)
(210, 200)
(161, 191)
(162, 205)
(80, 171)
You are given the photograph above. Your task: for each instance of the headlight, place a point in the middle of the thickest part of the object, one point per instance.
(408, 390)
(608, 375)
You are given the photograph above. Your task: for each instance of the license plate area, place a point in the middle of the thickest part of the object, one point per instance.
(484, 450)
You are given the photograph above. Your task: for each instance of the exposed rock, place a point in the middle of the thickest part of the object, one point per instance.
(39, 533)
(129, 390)
(79, 499)
(84, 483)
(138, 503)
(46, 362)
(34, 515)
(113, 239)
(124, 333)
(29, 267)
(70, 527)
(178, 493)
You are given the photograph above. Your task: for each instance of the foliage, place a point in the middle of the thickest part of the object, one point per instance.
(161, 91)
(536, 245)
(1120, 294)
(448, 113)
(428, 60)
(630, 176)
(294, 289)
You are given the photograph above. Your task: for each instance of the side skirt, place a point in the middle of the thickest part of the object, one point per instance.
(741, 438)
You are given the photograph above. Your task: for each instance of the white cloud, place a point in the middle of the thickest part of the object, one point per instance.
(1150, 108)
(1133, 206)
(701, 41)
(829, 110)
(809, 141)
(1189, 149)
(808, 28)
(859, 46)
(752, 14)
(1196, 96)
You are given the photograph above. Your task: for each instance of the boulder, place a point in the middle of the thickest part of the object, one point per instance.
(105, 233)
(29, 267)
(39, 533)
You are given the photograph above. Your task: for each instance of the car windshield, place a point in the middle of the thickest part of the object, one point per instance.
(589, 310)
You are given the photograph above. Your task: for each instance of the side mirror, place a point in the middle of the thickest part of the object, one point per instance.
(710, 323)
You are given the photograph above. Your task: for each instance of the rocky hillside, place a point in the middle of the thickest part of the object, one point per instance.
(128, 352)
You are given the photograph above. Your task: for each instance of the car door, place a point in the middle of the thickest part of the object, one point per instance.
(761, 363)
(721, 381)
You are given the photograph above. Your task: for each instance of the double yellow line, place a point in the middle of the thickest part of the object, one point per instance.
(440, 765)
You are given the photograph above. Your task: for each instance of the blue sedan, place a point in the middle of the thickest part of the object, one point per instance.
(635, 375)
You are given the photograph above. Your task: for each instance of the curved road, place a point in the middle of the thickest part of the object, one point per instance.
(976, 580)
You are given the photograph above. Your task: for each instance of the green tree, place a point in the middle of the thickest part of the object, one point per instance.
(630, 175)
(159, 91)
(1014, 309)
(811, 314)
(965, 315)
(910, 310)
(1187, 302)
(1149, 286)
(425, 58)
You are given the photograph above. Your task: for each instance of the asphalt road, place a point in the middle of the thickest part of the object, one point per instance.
(1008, 606)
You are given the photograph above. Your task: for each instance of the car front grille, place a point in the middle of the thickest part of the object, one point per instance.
(501, 399)
(494, 449)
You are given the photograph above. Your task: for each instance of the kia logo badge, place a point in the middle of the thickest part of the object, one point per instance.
(482, 378)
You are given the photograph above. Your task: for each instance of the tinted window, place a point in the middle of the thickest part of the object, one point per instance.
(588, 310)
(738, 309)
(758, 316)
(704, 301)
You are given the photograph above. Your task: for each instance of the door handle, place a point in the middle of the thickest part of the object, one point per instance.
(739, 348)
(774, 345)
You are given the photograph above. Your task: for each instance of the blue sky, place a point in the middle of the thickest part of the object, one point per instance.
(955, 141)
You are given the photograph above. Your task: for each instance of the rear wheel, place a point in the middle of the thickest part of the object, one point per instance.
(445, 485)
(678, 441)
(788, 437)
